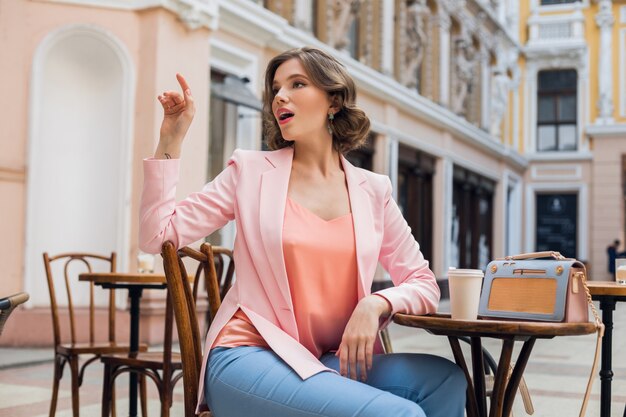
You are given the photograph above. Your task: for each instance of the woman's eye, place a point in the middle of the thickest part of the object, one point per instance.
(298, 84)
(274, 91)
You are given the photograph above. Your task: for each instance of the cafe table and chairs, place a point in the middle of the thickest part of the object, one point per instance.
(506, 382)
(135, 283)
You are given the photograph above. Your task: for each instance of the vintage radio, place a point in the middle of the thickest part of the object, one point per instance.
(525, 287)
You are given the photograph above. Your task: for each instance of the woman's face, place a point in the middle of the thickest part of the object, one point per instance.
(301, 109)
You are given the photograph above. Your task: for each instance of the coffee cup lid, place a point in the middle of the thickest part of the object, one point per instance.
(463, 271)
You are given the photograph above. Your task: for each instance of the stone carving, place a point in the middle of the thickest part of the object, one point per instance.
(344, 12)
(499, 100)
(191, 16)
(465, 57)
(605, 106)
(604, 18)
(417, 37)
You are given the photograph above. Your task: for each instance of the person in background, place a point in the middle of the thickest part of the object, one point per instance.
(611, 252)
(296, 335)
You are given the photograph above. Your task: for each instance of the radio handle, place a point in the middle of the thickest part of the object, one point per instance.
(535, 255)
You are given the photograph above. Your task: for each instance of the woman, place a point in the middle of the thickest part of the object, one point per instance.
(297, 333)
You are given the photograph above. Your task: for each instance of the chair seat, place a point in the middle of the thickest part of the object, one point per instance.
(95, 348)
(152, 360)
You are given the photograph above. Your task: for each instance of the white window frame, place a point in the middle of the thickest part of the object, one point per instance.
(582, 209)
(582, 105)
(535, 5)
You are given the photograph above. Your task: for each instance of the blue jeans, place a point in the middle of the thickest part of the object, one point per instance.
(255, 382)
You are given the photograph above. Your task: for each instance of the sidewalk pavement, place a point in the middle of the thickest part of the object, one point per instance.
(556, 375)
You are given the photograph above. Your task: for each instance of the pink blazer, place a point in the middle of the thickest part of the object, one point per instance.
(252, 190)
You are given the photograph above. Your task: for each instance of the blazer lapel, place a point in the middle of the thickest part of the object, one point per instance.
(362, 219)
(273, 198)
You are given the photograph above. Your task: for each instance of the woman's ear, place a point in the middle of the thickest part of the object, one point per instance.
(334, 104)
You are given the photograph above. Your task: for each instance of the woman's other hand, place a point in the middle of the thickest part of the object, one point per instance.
(178, 112)
(357, 343)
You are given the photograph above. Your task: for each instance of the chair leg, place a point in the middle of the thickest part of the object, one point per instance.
(59, 364)
(106, 391)
(165, 393)
(144, 395)
(73, 360)
(165, 407)
(113, 406)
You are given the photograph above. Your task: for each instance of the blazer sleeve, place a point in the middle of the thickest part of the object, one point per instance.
(416, 290)
(161, 218)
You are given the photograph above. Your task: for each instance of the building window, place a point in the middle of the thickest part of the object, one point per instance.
(232, 106)
(472, 220)
(550, 2)
(557, 217)
(556, 111)
(415, 195)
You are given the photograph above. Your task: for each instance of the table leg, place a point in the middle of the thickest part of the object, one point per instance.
(135, 296)
(516, 376)
(472, 405)
(607, 305)
(499, 383)
(478, 369)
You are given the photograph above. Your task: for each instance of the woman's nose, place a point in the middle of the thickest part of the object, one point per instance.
(280, 96)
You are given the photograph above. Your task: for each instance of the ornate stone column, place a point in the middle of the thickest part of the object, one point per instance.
(387, 37)
(444, 22)
(303, 15)
(485, 88)
(605, 20)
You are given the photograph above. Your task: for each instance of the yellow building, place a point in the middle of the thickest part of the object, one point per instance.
(500, 123)
(573, 125)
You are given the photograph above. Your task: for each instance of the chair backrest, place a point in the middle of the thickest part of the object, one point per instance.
(86, 261)
(8, 304)
(183, 303)
(225, 272)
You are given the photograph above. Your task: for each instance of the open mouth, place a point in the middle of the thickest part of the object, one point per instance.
(285, 117)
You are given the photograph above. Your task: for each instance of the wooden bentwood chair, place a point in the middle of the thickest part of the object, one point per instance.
(8, 304)
(71, 352)
(184, 307)
(166, 368)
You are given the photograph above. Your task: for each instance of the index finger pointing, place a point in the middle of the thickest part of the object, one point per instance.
(182, 82)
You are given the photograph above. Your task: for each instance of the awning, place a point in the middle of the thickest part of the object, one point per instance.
(234, 90)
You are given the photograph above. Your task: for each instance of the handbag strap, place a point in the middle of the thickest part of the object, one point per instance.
(600, 334)
(532, 255)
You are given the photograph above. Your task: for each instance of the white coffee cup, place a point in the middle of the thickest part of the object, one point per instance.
(145, 263)
(465, 286)
(620, 270)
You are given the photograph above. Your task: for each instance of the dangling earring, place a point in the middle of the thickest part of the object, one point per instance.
(331, 117)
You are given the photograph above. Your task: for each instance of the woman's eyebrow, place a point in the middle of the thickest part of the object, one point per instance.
(292, 76)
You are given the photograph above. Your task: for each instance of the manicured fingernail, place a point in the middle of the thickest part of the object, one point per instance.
(188, 92)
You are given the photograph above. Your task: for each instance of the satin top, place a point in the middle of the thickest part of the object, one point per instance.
(320, 260)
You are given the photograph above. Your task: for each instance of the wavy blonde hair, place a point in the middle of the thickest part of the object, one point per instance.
(350, 126)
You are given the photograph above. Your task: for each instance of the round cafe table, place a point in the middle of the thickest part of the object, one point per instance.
(135, 283)
(509, 332)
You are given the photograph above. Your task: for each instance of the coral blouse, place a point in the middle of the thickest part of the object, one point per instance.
(320, 259)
